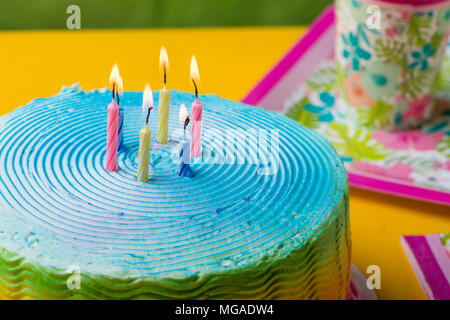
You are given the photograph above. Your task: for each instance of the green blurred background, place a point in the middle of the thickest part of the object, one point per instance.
(51, 14)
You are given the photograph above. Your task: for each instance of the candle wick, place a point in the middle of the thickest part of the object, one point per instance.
(148, 115)
(186, 122)
(165, 77)
(196, 90)
(116, 93)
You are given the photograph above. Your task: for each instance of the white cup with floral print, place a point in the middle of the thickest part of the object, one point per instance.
(388, 55)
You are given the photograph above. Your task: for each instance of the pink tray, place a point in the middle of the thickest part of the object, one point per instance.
(282, 81)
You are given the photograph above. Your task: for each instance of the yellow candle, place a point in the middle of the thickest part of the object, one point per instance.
(164, 101)
(144, 153)
(163, 118)
(144, 138)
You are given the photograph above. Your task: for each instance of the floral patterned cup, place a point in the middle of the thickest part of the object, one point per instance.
(388, 54)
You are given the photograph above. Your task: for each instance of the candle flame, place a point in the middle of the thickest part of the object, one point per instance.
(194, 71)
(163, 60)
(147, 100)
(120, 86)
(183, 113)
(114, 77)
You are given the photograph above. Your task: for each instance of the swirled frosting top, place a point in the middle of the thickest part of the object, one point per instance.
(265, 186)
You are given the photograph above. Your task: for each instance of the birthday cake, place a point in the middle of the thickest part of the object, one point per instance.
(268, 220)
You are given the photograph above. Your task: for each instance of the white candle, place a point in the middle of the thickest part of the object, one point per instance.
(184, 169)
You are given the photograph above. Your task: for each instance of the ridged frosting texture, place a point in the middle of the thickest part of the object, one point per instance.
(229, 232)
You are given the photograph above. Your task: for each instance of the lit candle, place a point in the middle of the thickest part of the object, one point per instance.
(184, 168)
(164, 100)
(144, 139)
(196, 129)
(120, 144)
(112, 125)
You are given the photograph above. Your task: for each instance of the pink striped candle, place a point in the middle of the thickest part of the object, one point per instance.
(196, 129)
(111, 138)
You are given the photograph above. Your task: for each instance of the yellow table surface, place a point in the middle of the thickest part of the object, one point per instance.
(231, 60)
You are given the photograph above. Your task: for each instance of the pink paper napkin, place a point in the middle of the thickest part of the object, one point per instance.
(429, 256)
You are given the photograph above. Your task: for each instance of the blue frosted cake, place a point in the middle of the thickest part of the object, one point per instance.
(243, 228)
